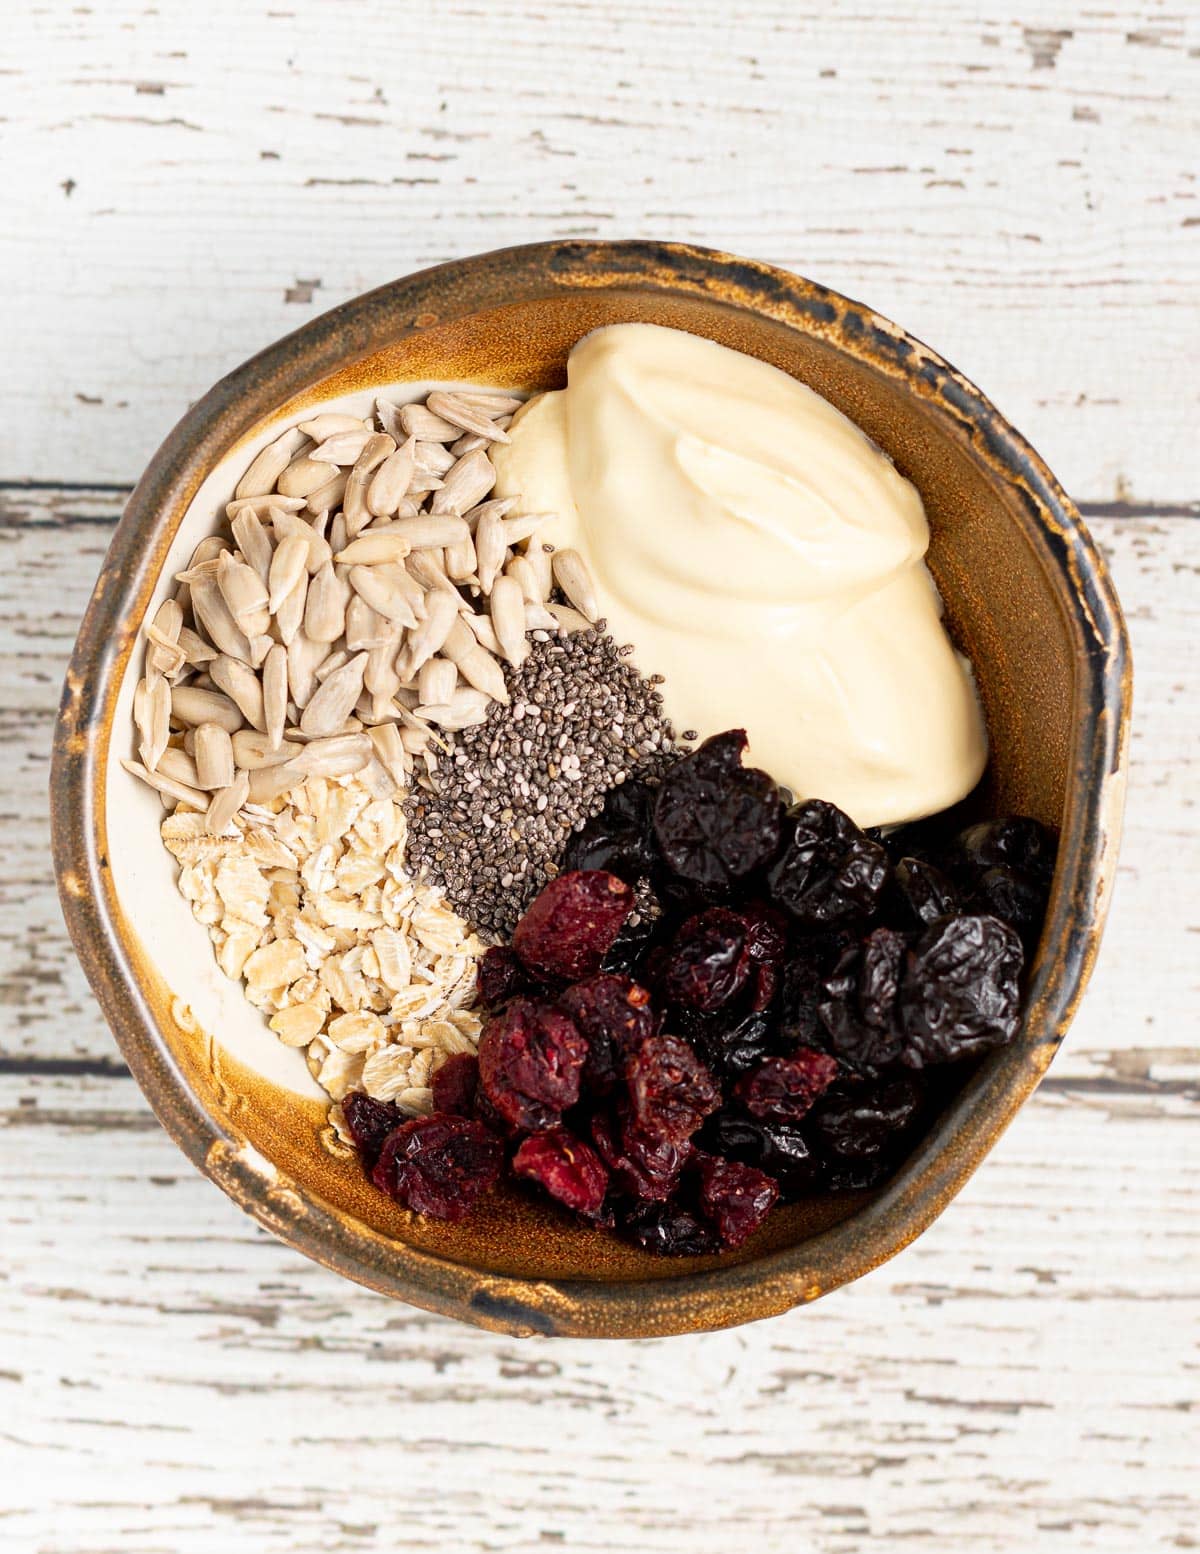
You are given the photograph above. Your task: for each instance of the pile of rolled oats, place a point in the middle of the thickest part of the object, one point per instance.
(307, 899)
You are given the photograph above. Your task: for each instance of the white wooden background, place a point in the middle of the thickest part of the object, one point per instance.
(183, 182)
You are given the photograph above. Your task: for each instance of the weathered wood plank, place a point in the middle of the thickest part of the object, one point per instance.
(187, 183)
(1022, 1377)
(52, 542)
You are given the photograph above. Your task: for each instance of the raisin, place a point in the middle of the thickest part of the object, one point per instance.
(717, 821)
(860, 1015)
(1016, 898)
(920, 893)
(670, 1090)
(780, 1149)
(570, 925)
(802, 989)
(669, 1230)
(641, 1168)
(785, 1088)
(829, 871)
(708, 962)
(530, 1060)
(499, 976)
(454, 1084)
(438, 1165)
(730, 1047)
(735, 1198)
(565, 1167)
(614, 1015)
(1015, 841)
(621, 837)
(960, 994)
(855, 1120)
(369, 1122)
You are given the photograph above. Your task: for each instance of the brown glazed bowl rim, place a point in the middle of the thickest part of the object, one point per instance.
(689, 1302)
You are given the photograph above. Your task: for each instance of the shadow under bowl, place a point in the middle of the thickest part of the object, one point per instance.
(1028, 599)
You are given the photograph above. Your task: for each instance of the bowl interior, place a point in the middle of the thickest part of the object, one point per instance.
(1005, 608)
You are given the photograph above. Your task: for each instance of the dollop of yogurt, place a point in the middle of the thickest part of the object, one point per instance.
(762, 554)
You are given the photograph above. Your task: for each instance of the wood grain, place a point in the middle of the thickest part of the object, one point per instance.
(183, 184)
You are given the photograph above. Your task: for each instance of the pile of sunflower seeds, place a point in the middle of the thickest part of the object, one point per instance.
(357, 604)
(579, 720)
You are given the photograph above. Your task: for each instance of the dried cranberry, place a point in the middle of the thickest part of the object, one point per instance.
(854, 1121)
(960, 993)
(565, 1167)
(920, 893)
(439, 1165)
(670, 1090)
(614, 1015)
(735, 1198)
(641, 1168)
(568, 927)
(499, 976)
(1016, 898)
(454, 1084)
(369, 1122)
(621, 837)
(1014, 841)
(717, 821)
(530, 1061)
(861, 1016)
(829, 871)
(669, 1230)
(785, 1088)
(708, 961)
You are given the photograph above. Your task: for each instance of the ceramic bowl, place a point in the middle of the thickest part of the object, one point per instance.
(1028, 599)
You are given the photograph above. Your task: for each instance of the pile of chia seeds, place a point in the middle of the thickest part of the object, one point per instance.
(580, 720)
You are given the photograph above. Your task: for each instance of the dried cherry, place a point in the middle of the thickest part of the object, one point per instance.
(781, 1149)
(1016, 897)
(861, 1014)
(569, 926)
(709, 960)
(856, 1120)
(715, 820)
(565, 1167)
(614, 1015)
(669, 1230)
(785, 1088)
(454, 1084)
(500, 975)
(734, 1198)
(369, 1123)
(829, 871)
(920, 893)
(960, 994)
(531, 1058)
(670, 1090)
(1014, 841)
(438, 1165)
(621, 837)
(645, 1169)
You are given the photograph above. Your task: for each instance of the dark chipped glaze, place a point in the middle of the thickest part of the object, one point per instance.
(1028, 598)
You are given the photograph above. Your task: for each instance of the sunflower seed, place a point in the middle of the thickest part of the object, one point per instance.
(523, 525)
(194, 648)
(452, 408)
(521, 570)
(465, 485)
(261, 505)
(242, 686)
(179, 765)
(569, 620)
(374, 547)
(266, 468)
(539, 618)
(494, 405)
(285, 524)
(272, 782)
(429, 636)
(332, 664)
(259, 648)
(327, 497)
(245, 593)
(390, 752)
(331, 703)
(572, 576)
(354, 503)
(164, 655)
(414, 739)
(336, 756)
(507, 609)
(342, 447)
(540, 564)
(328, 424)
(390, 481)
(460, 560)
(290, 613)
(475, 663)
(380, 677)
(485, 633)
(225, 804)
(418, 421)
(386, 589)
(490, 548)
(181, 792)
(465, 709)
(275, 693)
(252, 750)
(253, 541)
(436, 681)
(427, 532)
(213, 754)
(305, 475)
(289, 565)
(213, 614)
(192, 706)
(152, 714)
(431, 458)
(325, 608)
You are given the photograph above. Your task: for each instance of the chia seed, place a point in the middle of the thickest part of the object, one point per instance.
(528, 784)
